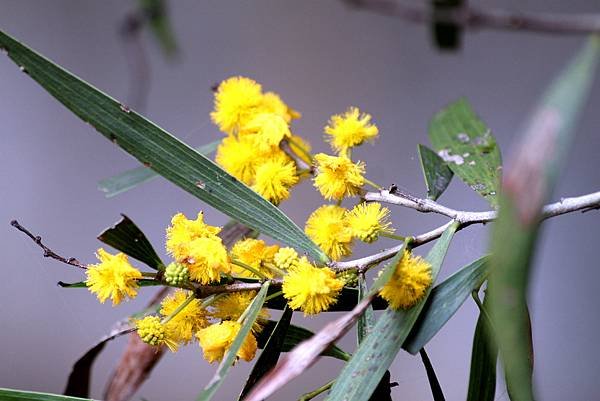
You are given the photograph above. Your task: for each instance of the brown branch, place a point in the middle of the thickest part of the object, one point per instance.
(475, 18)
(48, 253)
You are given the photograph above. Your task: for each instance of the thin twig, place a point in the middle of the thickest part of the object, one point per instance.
(566, 205)
(475, 18)
(48, 253)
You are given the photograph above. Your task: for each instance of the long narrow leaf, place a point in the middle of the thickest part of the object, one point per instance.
(362, 374)
(484, 357)
(434, 383)
(159, 150)
(527, 185)
(225, 365)
(7, 394)
(130, 179)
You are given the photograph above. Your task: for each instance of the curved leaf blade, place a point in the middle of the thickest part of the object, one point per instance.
(363, 372)
(159, 150)
(7, 394)
(468, 147)
(130, 179)
(526, 186)
(484, 357)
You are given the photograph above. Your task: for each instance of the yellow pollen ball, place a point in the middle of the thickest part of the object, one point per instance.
(187, 321)
(207, 259)
(267, 129)
(238, 157)
(328, 228)
(114, 277)
(216, 339)
(368, 220)
(183, 231)
(152, 332)
(237, 99)
(272, 103)
(232, 306)
(409, 282)
(338, 177)
(350, 129)
(286, 258)
(310, 288)
(255, 253)
(274, 178)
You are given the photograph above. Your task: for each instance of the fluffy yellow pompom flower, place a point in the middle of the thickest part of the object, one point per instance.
(237, 99)
(338, 176)
(328, 228)
(238, 157)
(255, 253)
(350, 129)
(114, 277)
(409, 283)
(183, 231)
(217, 338)
(274, 178)
(207, 259)
(231, 307)
(272, 103)
(187, 321)
(310, 288)
(266, 129)
(286, 258)
(368, 220)
(153, 332)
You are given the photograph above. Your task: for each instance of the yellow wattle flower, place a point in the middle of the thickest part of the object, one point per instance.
(153, 332)
(274, 178)
(232, 306)
(409, 282)
(310, 288)
(238, 157)
(216, 339)
(186, 322)
(272, 103)
(237, 99)
(207, 259)
(338, 176)
(350, 129)
(114, 277)
(368, 220)
(328, 228)
(183, 231)
(255, 253)
(266, 129)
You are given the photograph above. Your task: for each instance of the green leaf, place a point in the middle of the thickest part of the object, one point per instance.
(230, 356)
(435, 171)
(434, 383)
(7, 394)
(126, 237)
(444, 301)
(527, 186)
(363, 372)
(271, 351)
(294, 336)
(159, 150)
(468, 147)
(144, 282)
(366, 321)
(129, 179)
(482, 376)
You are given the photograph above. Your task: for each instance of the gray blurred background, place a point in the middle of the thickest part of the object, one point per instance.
(321, 57)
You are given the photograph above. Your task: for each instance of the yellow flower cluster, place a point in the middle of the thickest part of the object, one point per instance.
(256, 254)
(333, 228)
(409, 282)
(256, 123)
